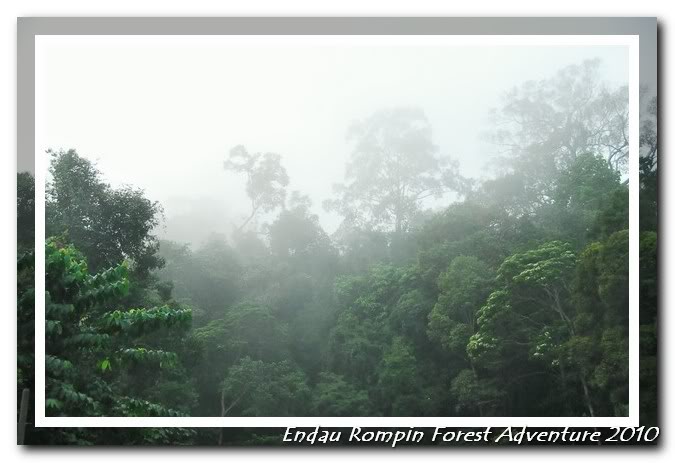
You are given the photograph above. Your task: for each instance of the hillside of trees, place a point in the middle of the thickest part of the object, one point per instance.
(508, 297)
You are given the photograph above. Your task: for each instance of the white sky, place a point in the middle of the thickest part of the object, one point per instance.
(161, 113)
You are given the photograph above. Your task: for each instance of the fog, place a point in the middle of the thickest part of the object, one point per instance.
(162, 113)
(475, 262)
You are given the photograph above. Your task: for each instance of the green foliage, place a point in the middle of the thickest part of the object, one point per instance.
(398, 381)
(136, 322)
(296, 232)
(464, 286)
(91, 350)
(587, 199)
(208, 279)
(25, 211)
(257, 388)
(362, 328)
(546, 267)
(648, 327)
(334, 396)
(107, 225)
(474, 396)
(247, 330)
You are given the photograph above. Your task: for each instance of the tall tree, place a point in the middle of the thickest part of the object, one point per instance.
(542, 126)
(394, 166)
(266, 180)
(464, 287)
(599, 346)
(531, 318)
(648, 166)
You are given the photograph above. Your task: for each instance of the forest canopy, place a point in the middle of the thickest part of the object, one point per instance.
(503, 296)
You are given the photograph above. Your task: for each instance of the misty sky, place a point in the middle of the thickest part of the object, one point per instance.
(161, 113)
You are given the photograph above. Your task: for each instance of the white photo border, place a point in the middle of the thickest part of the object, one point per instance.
(630, 41)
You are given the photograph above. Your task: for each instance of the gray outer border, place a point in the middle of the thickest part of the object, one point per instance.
(29, 27)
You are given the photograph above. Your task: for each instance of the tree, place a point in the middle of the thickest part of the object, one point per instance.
(246, 330)
(585, 199)
(208, 278)
(529, 317)
(334, 396)
(648, 165)
(649, 147)
(394, 166)
(475, 395)
(599, 347)
(25, 211)
(648, 327)
(266, 179)
(544, 125)
(107, 224)
(464, 287)
(297, 232)
(398, 381)
(367, 319)
(91, 346)
(258, 388)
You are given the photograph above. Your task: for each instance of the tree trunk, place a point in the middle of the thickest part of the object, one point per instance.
(241, 227)
(570, 326)
(480, 404)
(587, 395)
(222, 413)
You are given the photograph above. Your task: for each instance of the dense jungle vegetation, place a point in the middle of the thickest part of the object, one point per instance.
(508, 298)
